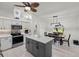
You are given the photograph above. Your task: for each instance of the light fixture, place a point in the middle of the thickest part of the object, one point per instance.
(28, 16)
(27, 8)
(17, 13)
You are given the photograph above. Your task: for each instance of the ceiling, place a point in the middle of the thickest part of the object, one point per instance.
(46, 9)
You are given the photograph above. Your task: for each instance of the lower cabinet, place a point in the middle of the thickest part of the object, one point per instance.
(29, 45)
(35, 50)
(39, 49)
(6, 43)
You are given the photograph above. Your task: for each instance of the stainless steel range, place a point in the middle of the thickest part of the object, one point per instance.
(17, 37)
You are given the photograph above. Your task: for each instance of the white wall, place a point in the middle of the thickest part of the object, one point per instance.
(40, 23)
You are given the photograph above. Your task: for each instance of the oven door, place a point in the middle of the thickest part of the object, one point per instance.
(17, 39)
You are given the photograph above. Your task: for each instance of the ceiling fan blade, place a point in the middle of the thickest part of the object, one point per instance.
(19, 5)
(34, 4)
(34, 10)
(26, 4)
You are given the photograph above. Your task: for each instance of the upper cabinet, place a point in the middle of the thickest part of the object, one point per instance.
(5, 24)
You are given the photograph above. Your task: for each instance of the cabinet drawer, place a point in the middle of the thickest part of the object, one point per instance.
(35, 42)
(38, 43)
(41, 44)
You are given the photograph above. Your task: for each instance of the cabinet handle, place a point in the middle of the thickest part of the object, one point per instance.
(28, 42)
(37, 47)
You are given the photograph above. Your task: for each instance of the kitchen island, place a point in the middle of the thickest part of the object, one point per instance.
(40, 46)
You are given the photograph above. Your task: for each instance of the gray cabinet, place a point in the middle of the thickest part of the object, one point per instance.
(39, 49)
(35, 49)
(41, 52)
(29, 45)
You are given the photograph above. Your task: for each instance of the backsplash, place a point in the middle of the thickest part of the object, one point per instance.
(5, 32)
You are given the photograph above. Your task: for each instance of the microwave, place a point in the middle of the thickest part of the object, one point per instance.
(15, 27)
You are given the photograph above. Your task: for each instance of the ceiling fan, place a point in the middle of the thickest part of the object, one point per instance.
(29, 6)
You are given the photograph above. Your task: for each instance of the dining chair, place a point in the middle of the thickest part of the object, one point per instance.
(67, 40)
(45, 34)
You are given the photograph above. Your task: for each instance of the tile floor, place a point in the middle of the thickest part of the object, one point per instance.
(57, 51)
(19, 51)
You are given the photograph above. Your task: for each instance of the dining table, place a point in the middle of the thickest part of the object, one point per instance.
(57, 37)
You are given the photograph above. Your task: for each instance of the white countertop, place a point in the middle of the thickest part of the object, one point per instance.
(42, 39)
(5, 35)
